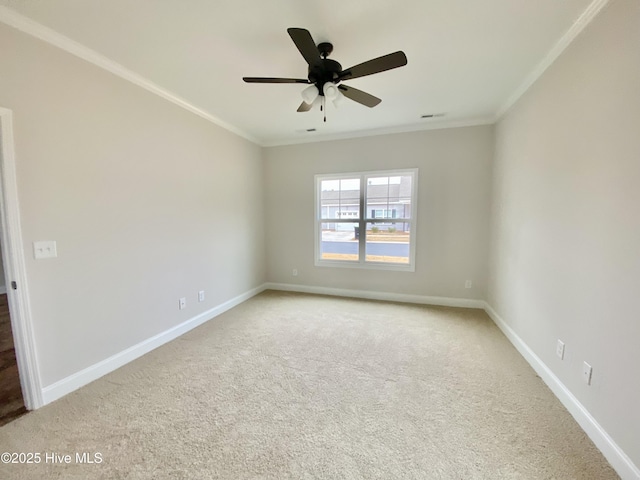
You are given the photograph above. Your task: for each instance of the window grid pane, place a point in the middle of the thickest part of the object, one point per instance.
(339, 241)
(388, 197)
(340, 199)
(389, 243)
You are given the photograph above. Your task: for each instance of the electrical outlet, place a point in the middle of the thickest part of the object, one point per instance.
(201, 296)
(587, 371)
(294, 272)
(560, 349)
(468, 284)
(182, 303)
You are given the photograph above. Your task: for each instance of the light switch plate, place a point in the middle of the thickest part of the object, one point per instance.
(44, 249)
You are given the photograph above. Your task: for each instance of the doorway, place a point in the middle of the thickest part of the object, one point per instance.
(19, 375)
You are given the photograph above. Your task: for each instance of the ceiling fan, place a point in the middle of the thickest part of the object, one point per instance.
(325, 75)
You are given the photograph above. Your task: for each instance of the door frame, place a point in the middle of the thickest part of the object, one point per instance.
(13, 257)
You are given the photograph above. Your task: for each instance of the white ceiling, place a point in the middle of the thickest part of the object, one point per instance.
(466, 58)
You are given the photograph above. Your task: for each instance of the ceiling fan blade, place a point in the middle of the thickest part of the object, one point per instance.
(305, 107)
(274, 80)
(303, 40)
(359, 96)
(380, 64)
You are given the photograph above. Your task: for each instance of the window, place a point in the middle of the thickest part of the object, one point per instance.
(367, 219)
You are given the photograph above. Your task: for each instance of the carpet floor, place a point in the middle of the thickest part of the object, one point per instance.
(294, 386)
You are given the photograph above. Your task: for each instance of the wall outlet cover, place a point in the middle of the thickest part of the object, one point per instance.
(587, 372)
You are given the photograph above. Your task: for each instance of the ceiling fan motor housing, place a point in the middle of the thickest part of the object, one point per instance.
(324, 71)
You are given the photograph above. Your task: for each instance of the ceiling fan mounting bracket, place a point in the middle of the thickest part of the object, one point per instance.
(325, 49)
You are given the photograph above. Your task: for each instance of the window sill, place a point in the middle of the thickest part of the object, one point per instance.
(396, 267)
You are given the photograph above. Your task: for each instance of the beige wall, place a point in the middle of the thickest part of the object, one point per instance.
(565, 257)
(453, 209)
(147, 203)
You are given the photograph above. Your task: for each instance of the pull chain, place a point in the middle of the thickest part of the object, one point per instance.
(324, 99)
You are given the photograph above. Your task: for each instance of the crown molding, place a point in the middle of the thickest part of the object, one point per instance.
(35, 29)
(578, 26)
(313, 138)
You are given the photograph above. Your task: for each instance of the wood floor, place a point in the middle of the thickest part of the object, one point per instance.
(11, 402)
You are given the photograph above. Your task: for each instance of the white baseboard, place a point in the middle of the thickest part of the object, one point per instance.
(610, 449)
(372, 295)
(3, 289)
(83, 377)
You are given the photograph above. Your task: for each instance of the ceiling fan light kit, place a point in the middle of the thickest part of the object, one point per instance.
(325, 74)
(330, 91)
(337, 101)
(310, 93)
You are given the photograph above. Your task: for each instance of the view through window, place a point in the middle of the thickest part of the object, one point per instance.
(366, 219)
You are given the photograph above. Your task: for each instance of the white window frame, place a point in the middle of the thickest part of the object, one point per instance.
(364, 219)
